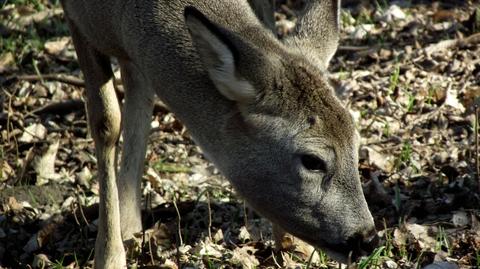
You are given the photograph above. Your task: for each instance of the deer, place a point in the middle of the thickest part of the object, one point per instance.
(260, 108)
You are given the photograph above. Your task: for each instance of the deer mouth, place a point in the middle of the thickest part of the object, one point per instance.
(339, 252)
(344, 253)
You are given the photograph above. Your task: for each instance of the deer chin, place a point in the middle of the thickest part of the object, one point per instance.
(338, 255)
(342, 253)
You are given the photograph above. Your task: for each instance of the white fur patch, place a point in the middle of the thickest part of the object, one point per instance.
(220, 64)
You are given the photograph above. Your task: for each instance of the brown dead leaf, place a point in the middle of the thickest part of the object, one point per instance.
(39, 239)
(218, 236)
(45, 164)
(33, 132)
(421, 235)
(444, 15)
(289, 262)
(7, 62)
(208, 248)
(56, 47)
(244, 257)
(162, 234)
(84, 177)
(169, 264)
(244, 235)
(305, 251)
(471, 96)
(13, 205)
(399, 237)
(452, 99)
(39, 16)
(41, 261)
(6, 171)
(379, 160)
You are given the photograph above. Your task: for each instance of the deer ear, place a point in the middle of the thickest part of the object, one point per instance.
(317, 31)
(219, 51)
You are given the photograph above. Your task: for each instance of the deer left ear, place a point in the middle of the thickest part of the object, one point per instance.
(219, 53)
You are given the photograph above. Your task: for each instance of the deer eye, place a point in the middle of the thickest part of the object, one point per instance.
(313, 163)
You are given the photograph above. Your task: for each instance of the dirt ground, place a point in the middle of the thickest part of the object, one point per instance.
(409, 71)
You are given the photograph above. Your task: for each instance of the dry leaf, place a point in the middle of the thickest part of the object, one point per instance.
(452, 99)
(7, 63)
(169, 264)
(305, 251)
(39, 16)
(391, 264)
(244, 256)
(218, 236)
(33, 132)
(6, 171)
(56, 47)
(13, 204)
(392, 14)
(39, 239)
(45, 165)
(244, 235)
(208, 248)
(289, 262)
(41, 261)
(379, 160)
(420, 234)
(399, 237)
(161, 235)
(84, 177)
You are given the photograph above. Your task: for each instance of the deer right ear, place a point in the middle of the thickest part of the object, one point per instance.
(219, 54)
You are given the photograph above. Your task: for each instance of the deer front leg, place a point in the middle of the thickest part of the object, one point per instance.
(103, 114)
(137, 113)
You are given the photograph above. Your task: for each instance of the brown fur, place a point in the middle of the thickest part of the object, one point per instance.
(262, 110)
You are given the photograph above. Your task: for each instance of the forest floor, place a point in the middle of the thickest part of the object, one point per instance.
(409, 71)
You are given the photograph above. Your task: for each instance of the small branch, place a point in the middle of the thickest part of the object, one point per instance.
(53, 77)
(450, 43)
(152, 260)
(353, 48)
(74, 213)
(60, 108)
(148, 205)
(477, 146)
(179, 220)
(209, 216)
(80, 207)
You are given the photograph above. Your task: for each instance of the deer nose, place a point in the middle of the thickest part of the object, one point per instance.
(363, 243)
(369, 241)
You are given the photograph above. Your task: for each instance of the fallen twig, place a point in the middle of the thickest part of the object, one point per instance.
(450, 43)
(209, 216)
(353, 48)
(54, 77)
(72, 105)
(477, 147)
(179, 219)
(60, 108)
